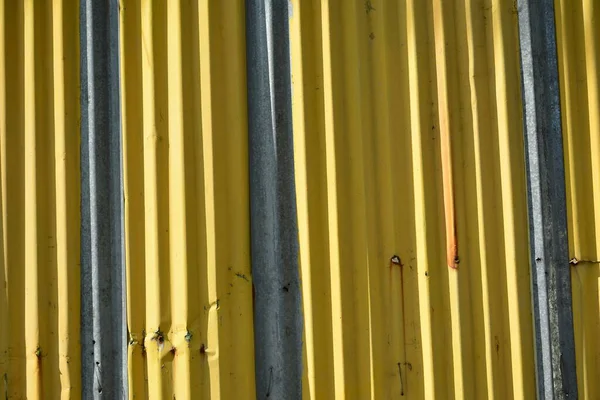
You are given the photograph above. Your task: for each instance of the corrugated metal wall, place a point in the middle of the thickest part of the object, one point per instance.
(411, 199)
(189, 284)
(39, 158)
(578, 36)
(410, 181)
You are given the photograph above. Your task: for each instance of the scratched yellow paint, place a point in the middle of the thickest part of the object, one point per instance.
(408, 128)
(39, 202)
(578, 40)
(189, 286)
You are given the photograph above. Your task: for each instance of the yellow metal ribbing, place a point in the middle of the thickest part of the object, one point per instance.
(40, 199)
(578, 40)
(512, 186)
(12, 206)
(186, 190)
(409, 162)
(309, 140)
(65, 56)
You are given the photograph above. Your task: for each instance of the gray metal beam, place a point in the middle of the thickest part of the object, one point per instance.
(274, 237)
(103, 320)
(550, 269)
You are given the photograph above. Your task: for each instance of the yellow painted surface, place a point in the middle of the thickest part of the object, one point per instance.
(39, 202)
(189, 287)
(578, 39)
(408, 143)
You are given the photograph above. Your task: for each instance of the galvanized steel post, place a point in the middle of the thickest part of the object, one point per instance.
(103, 327)
(274, 238)
(551, 280)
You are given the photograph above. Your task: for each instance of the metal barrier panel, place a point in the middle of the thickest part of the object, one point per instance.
(578, 39)
(410, 188)
(103, 319)
(40, 189)
(189, 286)
(273, 221)
(412, 205)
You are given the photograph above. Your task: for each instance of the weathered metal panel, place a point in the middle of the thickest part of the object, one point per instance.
(412, 206)
(551, 276)
(578, 39)
(411, 197)
(103, 324)
(189, 286)
(40, 218)
(274, 232)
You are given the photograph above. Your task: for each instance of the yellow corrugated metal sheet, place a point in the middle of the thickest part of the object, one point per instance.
(39, 230)
(411, 199)
(186, 199)
(578, 37)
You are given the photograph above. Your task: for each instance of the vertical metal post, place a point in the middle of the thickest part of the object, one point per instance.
(103, 322)
(550, 269)
(274, 237)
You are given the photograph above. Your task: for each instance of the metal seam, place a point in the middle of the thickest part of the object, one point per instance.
(274, 237)
(103, 328)
(550, 270)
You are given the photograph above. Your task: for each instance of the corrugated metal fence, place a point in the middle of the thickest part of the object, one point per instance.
(310, 199)
(40, 327)
(578, 36)
(413, 226)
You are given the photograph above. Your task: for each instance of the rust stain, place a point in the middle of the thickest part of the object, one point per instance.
(448, 189)
(497, 345)
(401, 383)
(159, 337)
(575, 261)
(395, 260)
(143, 343)
(445, 143)
(38, 356)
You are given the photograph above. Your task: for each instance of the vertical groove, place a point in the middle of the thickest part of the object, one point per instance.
(13, 182)
(340, 379)
(156, 203)
(309, 138)
(67, 109)
(512, 186)
(39, 160)
(578, 51)
(412, 94)
(416, 115)
(408, 327)
(4, 341)
(32, 327)
(134, 222)
(177, 204)
(189, 284)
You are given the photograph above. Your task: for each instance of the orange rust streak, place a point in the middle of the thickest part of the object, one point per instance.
(448, 188)
(397, 261)
(445, 144)
(404, 383)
